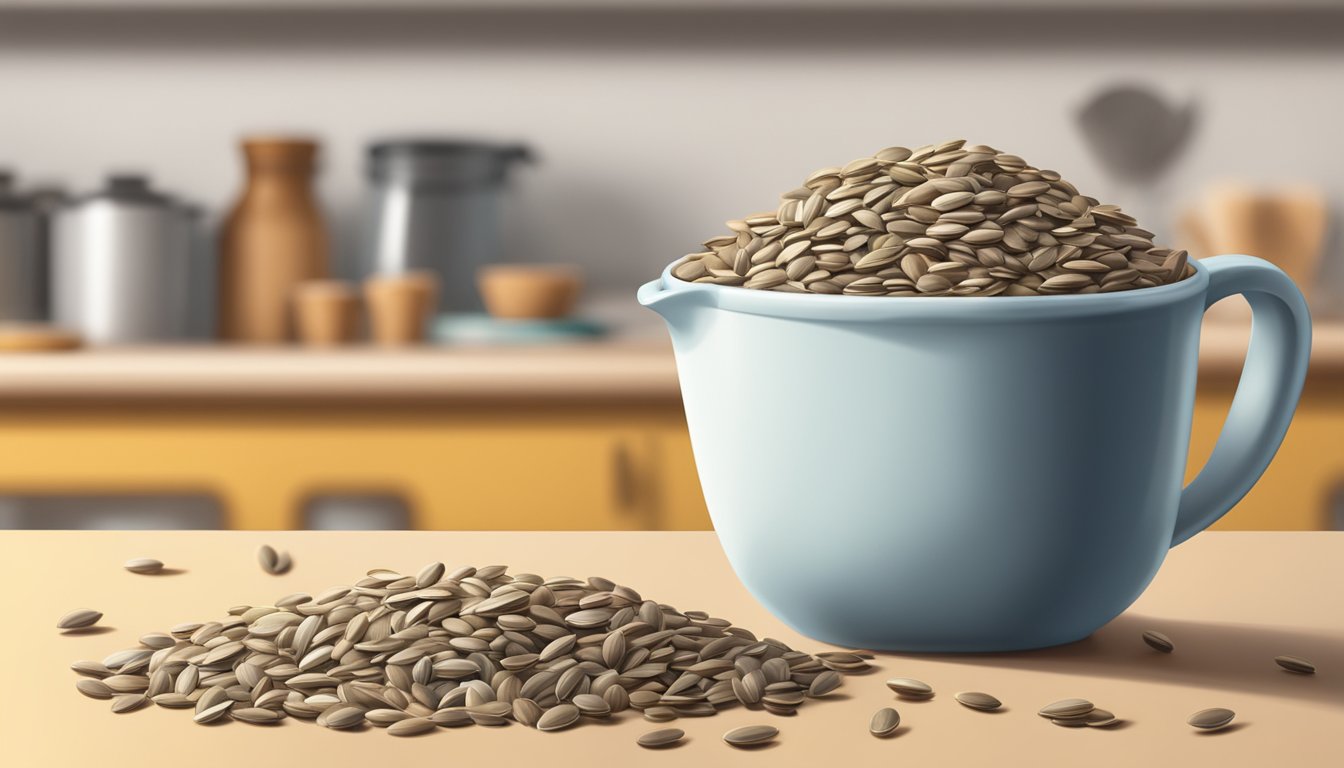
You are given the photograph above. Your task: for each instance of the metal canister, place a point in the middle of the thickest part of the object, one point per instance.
(434, 206)
(120, 261)
(23, 263)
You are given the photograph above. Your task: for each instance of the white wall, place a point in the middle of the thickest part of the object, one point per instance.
(654, 128)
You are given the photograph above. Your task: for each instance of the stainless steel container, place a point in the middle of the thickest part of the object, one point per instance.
(434, 206)
(121, 265)
(23, 263)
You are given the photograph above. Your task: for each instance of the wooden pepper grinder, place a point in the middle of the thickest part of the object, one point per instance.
(273, 240)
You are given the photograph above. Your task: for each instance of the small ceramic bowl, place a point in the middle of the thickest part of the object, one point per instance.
(529, 291)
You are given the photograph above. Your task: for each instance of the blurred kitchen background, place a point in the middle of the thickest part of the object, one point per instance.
(405, 157)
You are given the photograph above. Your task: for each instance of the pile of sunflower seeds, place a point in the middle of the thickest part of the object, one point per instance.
(409, 653)
(941, 220)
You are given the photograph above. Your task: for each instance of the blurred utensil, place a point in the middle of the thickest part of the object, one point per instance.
(273, 239)
(120, 264)
(529, 291)
(327, 312)
(1286, 225)
(23, 261)
(433, 206)
(400, 307)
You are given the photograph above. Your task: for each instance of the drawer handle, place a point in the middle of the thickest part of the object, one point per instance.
(623, 478)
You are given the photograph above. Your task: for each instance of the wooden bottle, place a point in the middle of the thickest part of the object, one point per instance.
(273, 240)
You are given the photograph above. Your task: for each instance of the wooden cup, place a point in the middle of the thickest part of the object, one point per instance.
(400, 307)
(327, 313)
(529, 291)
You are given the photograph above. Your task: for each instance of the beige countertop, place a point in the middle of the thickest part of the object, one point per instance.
(636, 368)
(1229, 601)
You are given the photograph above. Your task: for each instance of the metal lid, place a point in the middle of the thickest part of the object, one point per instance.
(126, 188)
(10, 199)
(444, 164)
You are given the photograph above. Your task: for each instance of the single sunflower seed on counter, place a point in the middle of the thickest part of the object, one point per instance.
(144, 565)
(977, 700)
(81, 619)
(751, 735)
(661, 738)
(910, 688)
(1211, 719)
(1158, 641)
(273, 562)
(1296, 664)
(885, 721)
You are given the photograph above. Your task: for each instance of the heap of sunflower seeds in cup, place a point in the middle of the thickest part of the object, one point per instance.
(941, 220)
(471, 646)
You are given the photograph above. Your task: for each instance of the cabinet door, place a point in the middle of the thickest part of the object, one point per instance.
(537, 479)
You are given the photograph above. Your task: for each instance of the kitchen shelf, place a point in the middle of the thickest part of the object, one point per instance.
(626, 369)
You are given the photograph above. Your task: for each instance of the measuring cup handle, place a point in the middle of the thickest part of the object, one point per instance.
(1271, 381)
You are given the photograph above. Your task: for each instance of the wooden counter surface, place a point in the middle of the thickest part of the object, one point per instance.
(636, 369)
(1229, 601)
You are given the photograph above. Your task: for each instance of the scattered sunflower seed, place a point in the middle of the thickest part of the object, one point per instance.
(129, 702)
(751, 735)
(144, 565)
(413, 726)
(1100, 718)
(1066, 708)
(661, 739)
(1296, 664)
(81, 619)
(1158, 641)
(909, 688)
(977, 700)
(1211, 719)
(885, 722)
(272, 562)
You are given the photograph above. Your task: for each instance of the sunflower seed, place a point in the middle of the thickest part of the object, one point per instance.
(1211, 719)
(885, 722)
(661, 738)
(144, 565)
(558, 717)
(211, 714)
(257, 715)
(1296, 664)
(1066, 708)
(81, 619)
(411, 727)
(1158, 641)
(1100, 718)
(340, 718)
(751, 735)
(977, 700)
(910, 688)
(94, 689)
(272, 562)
